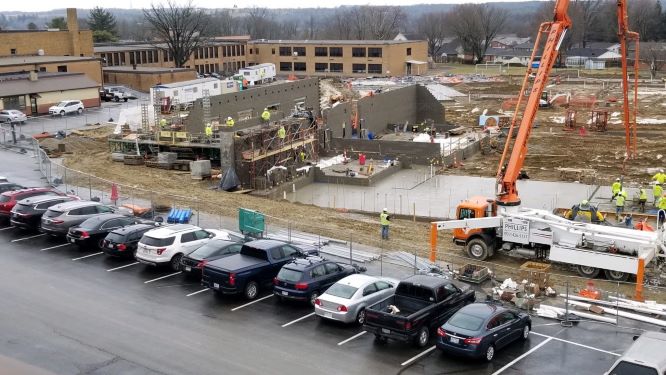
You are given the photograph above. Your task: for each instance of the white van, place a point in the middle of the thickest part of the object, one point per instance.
(646, 356)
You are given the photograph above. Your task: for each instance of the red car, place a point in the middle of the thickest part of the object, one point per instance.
(8, 199)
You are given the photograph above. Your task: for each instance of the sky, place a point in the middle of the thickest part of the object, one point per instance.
(45, 5)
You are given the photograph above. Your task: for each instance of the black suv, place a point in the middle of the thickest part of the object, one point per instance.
(305, 279)
(124, 241)
(27, 214)
(93, 231)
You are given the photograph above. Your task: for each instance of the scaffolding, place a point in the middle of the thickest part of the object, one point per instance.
(261, 153)
(145, 118)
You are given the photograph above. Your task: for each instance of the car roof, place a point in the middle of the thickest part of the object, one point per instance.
(105, 217)
(426, 280)
(26, 190)
(43, 198)
(482, 310)
(132, 228)
(170, 230)
(305, 263)
(9, 183)
(265, 244)
(73, 204)
(358, 280)
(648, 349)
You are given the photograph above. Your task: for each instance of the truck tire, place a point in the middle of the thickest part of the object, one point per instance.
(616, 275)
(175, 262)
(477, 249)
(125, 100)
(588, 272)
(251, 290)
(422, 338)
(116, 99)
(380, 339)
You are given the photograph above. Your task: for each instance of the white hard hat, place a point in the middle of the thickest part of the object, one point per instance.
(617, 179)
(385, 210)
(229, 118)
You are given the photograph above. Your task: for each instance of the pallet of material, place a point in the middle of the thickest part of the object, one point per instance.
(156, 164)
(182, 165)
(133, 160)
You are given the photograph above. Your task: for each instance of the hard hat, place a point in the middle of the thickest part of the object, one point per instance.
(229, 118)
(584, 202)
(265, 109)
(385, 210)
(617, 179)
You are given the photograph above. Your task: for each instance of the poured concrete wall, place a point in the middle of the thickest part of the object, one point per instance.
(409, 152)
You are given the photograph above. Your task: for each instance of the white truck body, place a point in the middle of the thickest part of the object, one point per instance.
(189, 91)
(257, 74)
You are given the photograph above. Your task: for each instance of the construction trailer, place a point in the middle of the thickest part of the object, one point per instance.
(187, 92)
(258, 74)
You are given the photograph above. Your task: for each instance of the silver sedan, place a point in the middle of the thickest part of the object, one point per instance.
(13, 116)
(346, 300)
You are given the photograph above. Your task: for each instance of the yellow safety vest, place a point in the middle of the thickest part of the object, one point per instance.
(383, 218)
(643, 195)
(230, 122)
(619, 202)
(209, 130)
(660, 177)
(302, 155)
(163, 123)
(266, 115)
(281, 132)
(616, 187)
(662, 203)
(657, 191)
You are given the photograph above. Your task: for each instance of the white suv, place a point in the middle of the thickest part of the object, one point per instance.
(166, 245)
(66, 107)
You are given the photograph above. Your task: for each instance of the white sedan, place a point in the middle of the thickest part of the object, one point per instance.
(346, 300)
(12, 116)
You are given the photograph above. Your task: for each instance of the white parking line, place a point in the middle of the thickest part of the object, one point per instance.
(352, 338)
(197, 292)
(298, 320)
(414, 358)
(6, 228)
(534, 349)
(117, 268)
(163, 277)
(577, 344)
(54, 247)
(253, 302)
(27, 238)
(88, 256)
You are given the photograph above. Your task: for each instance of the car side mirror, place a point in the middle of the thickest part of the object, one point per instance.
(159, 219)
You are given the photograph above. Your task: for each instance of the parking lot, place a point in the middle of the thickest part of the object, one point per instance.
(72, 311)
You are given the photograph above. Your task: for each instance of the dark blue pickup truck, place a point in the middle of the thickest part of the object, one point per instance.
(253, 268)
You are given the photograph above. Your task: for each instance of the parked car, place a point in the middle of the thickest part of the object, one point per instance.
(480, 329)
(115, 93)
(9, 199)
(3, 179)
(66, 107)
(421, 303)
(27, 213)
(305, 279)
(166, 245)
(644, 357)
(59, 218)
(254, 267)
(9, 186)
(93, 230)
(193, 263)
(12, 116)
(123, 242)
(346, 300)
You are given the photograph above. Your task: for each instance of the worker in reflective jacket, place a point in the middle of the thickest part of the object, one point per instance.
(620, 199)
(385, 221)
(584, 212)
(209, 132)
(660, 177)
(163, 124)
(615, 188)
(642, 198)
(266, 116)
(230, 122)
(657, 192)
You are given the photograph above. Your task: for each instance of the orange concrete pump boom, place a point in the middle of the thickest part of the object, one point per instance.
(629, 117)
(507, 175)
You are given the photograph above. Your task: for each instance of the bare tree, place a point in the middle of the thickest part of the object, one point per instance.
(223, 23)
(584, 15)
(384, 22)
(654, 55)
(258, 23)
(431, 26)
(182, 28)
(340, 25)
(645, 18)
(476, 25)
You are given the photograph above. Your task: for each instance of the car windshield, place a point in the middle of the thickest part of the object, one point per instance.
(5, 198)
(628, 368)
(465, 321)
(22, 207)
(152, 241)
(61, 104)
(289, 275)
(115, 237)
(52, 213)
(91, 223)
(208, 249)
(342, 291)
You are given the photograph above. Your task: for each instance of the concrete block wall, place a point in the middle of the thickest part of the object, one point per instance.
(334, 117)
(408, 152)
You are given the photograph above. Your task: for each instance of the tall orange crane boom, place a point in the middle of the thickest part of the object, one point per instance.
(507, 175)
(629, 116)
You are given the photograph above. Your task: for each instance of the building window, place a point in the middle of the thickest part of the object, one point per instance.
(242, 47)
(216, 52)
(42, 68)
(243, 64)
(335, 68)
(321, 67)
(335, 51)
(299, 66)
(358, 52)
(13, 51)
(250, 51)
(224, 51)
(321, 51)
(374, 52)
(150, 57)
(285, 66)
(272, 51)
(62, 68)
(375, 68)
(299, 51)
(358, 68)
(144, 58)
(14, 102)
(409, 51)
(285, 51)
(132, 59)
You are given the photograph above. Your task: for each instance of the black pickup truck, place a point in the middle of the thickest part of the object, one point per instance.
(254, 267)
(421, 304)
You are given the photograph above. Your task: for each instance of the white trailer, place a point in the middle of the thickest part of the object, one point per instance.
(258, 74)
(187, 92)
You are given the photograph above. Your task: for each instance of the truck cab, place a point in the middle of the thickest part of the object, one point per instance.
(473, 208)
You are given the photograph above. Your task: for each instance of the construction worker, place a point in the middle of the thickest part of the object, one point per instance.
(620, 199)
(282, 133)
(385, 221)
(657, 192)
(266, 116)
(662, 211)
(209, 132)
(615, 188)
(230, 122)
(163, 124)
(585, 213)
(642, 198)
(301, 156)
(660, 177)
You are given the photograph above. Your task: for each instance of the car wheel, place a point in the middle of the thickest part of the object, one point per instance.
(251, 290)
(79, 111)
(100, 243)
(477, 249)
(490, 353)
(360, 317)
(588, 272)
(526, 332)
(116, 99)
(616, 275)
(423, 337)
(8, 121)
(313, 297)
(175, 262)
(125, 100)
(62, 113)
(380, 339)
